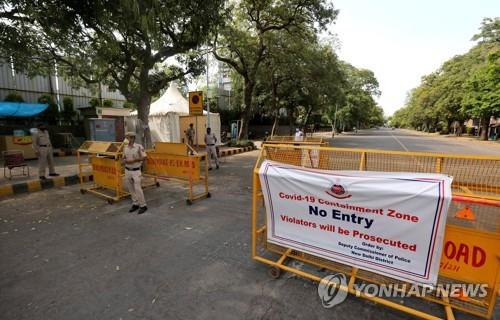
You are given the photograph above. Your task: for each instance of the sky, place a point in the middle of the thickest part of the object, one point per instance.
(401, 41)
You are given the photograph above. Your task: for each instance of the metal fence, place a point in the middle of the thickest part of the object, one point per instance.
(473, 219)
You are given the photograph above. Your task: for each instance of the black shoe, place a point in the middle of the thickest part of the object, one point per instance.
(217, 167)
(43, 178)
(134, 208)
(142, 210)
(54, 174)
(209, 169)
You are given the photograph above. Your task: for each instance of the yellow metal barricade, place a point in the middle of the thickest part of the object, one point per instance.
(312, 141)
(471, 248)
(105, 166)
(172, 161)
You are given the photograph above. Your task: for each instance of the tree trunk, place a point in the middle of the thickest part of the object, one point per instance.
(247, 109)
(143, 115)
(291, 122)
(275, 124)
(306, 118)
(275, 106)
(485, 124)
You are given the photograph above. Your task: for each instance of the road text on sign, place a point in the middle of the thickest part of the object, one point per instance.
(173, 165)
(470, 255)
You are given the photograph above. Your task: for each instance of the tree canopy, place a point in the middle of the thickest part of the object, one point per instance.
(466, 86)
(124, 44)
(139, 46)
(243, 42)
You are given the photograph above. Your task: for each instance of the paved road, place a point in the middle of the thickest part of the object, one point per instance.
(403, 140)
(70, 256)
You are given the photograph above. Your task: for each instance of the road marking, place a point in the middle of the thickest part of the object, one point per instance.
(406, 149)
(400, 143)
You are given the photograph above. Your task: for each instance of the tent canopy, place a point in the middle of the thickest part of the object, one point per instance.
(164, 119)
(171, 101)
(21, 109)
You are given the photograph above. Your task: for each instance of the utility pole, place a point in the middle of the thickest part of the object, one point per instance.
(59, 108)
(208, 102)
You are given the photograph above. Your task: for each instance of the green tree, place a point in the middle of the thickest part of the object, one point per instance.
(465, 86)
(299, 74)
(123, 44)
(482, 99)
(242, 40)
(359, 105)
(489, 31)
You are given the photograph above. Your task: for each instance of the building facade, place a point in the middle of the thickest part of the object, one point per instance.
(31, 89)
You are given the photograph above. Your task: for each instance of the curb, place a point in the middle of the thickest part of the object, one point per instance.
(463, 138)
(225, 153)
(38, 185)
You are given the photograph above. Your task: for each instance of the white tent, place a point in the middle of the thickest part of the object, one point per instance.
(164, 121)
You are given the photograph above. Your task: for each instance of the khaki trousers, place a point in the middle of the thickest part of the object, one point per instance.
(212, 151)
(133, 182)
(46, 156)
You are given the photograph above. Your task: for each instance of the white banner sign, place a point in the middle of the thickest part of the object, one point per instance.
(389, 223)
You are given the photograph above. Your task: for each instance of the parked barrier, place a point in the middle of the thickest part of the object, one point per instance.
(105, 166)
(173, 161)
(315, 141)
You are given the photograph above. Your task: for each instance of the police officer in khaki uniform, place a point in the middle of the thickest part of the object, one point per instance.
(210, 141)
(44, 152)
(134, 155)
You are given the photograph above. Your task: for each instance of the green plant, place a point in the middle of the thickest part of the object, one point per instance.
(469, 130)
(52, 113)
(129, 105)
(94, 102)
(68, 109)
(107, 103)
(68, 103)
(14, 97)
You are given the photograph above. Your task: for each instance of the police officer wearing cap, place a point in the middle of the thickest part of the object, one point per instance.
(134, 155)
(44, 152)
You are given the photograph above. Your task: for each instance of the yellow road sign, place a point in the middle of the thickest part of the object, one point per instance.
(470, 255)
(196, 103)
